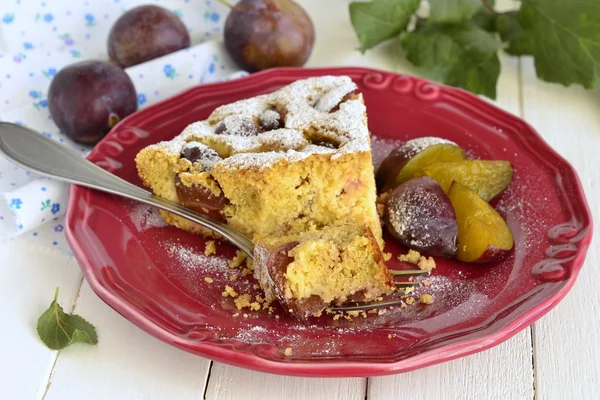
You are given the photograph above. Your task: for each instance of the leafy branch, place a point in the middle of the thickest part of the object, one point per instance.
(457, 43)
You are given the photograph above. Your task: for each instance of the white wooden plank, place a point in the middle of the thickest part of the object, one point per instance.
(567, 340)
(29, 276)
(127, 363)
(503, 372)
(231, 383)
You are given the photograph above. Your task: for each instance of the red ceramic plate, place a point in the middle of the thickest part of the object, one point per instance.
(154, 275)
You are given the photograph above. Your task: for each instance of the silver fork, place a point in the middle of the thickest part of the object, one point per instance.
(35, 152)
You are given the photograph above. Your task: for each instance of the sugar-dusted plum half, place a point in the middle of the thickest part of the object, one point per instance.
(419, 215)
(261, 34)
(88, 98)
(144, 33)
(483, 235)
(408, 160)
(486, 178)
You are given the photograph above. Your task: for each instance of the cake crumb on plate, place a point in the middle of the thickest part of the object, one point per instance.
(210, 248)
(425, 299)
(229, 292)
(412, 257)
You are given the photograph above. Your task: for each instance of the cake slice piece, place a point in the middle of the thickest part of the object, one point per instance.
(292, 166)
(307, 273)
(288, 162)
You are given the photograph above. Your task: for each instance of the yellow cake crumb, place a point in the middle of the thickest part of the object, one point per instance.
(389, 336)
(259, 299)
(210, 248)
(336, 317)
(256, 286)
(288, 352)
(233, 278)
(426, 283)
(409, 300)
(412, 257)
(242, 301)
(380, 210)
(409, 290)
(383, 198)
(208, 280)
(387, 256)
(426, 264)
(238, 259)
(353, 313)
(425, 299)
(246, 272)
(229, 292)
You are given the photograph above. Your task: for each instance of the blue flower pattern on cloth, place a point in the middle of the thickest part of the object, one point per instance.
(15, 204)
(170, 72)
(55, 208)
(39, 39)
(8, 18)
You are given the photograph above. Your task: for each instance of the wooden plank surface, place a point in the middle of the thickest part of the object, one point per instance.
(567, 340)
(127, 363)
(28, 277)
(231, 383)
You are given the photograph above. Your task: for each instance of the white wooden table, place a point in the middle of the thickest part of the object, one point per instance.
(557, 358)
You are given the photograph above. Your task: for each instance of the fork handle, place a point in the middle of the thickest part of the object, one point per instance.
(35, 152)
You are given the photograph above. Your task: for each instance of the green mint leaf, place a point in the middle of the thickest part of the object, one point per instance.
(379, 20)
(567, 39)
(458, 55)
(453, 11)
(518, 40)
(486, 18)
(58, 330)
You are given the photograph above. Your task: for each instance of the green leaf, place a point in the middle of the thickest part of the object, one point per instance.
(459, 55)
(518, 40)
(567, 39)
(486, 18)
(453, 11)
(58, 330)
(379, 20)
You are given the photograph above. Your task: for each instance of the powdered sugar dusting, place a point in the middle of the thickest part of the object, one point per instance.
(331, 99)
(145, 217)
(415, 146)
(192, 259)
(381, 148)
(347, 125)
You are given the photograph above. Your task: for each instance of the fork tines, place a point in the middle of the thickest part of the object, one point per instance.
(402, 288)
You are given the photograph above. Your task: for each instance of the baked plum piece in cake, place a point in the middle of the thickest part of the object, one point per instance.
(309, 272)
(288, 162)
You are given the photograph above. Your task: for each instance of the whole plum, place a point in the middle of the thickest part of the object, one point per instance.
(88, 98)
(261, 34)
(144, 33)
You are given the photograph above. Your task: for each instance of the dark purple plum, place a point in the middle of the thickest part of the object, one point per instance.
(420, 215)
(88, 98)
(144, 33)
(261, 34)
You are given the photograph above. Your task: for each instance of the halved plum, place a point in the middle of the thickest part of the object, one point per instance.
(419, 215)
(486, 178)
(407, 161)
(483, 235)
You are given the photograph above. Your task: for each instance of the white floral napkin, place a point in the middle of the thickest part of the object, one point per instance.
(37, 40)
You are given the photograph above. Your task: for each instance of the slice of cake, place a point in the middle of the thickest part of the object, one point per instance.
(309, 272)
(291, 162)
